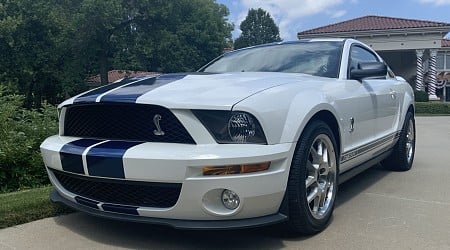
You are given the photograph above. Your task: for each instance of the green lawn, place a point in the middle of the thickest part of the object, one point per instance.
(28, 205)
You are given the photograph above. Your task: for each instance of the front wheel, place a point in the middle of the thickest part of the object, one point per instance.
(312, 184)
(402, 155)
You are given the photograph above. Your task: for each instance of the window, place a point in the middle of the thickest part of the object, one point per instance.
(440, 60)
(447, 60)
(359, 54)
(314, 58)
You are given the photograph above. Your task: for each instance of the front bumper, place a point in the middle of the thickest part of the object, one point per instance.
(199, 205)
(179, 224)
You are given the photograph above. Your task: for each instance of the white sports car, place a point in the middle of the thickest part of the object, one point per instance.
(258, 136)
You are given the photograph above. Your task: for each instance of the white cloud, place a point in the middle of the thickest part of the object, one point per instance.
(435, 2)
(287, 13)
(337, 13)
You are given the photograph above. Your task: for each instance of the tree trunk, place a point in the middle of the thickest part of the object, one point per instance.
(104, 69)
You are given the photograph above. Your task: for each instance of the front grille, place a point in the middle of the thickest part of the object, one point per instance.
(123, 192)
(133, 122)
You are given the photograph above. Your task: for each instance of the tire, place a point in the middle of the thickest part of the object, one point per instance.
(313, 176)
(402, 156)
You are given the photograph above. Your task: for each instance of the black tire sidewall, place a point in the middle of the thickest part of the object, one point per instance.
(398, 161)
(403, 163)
(300, 217)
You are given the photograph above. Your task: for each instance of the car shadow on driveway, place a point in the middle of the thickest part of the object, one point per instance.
(142, 236)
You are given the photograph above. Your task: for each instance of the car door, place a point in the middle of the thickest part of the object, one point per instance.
(386, 91)
(358, 108)
(371, 110)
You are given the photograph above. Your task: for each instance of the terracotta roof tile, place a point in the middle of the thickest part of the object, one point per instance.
(367, 23)
(445, 43)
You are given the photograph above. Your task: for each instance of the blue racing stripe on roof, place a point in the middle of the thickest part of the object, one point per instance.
(106, 159)
(71, 155)
(131, 92)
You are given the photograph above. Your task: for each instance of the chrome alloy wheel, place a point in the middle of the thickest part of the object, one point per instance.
(410, 141)
(321, 176)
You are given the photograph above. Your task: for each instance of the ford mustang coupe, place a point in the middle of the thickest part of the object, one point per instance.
(258, 136)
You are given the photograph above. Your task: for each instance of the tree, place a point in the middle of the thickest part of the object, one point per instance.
(257, 28)
(33, 42)
(49, 47)
(176, 35)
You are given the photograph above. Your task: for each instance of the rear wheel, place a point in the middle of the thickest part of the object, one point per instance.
(402, 156)
(312, 184)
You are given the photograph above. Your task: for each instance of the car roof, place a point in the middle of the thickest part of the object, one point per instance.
(294, 42)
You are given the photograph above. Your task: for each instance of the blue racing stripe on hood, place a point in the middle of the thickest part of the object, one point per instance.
(131, 92)
(71, 155)
(92, 95)
(106, 159)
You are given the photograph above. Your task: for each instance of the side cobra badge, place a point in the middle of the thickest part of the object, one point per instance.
(352, 125)
(158, 131)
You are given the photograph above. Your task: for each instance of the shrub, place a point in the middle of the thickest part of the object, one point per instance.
(420, 96)
(435, 108)
(21, 132)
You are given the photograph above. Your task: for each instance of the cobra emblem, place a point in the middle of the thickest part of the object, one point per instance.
(158, 131)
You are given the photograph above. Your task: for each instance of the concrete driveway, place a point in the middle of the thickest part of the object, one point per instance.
(376, 210)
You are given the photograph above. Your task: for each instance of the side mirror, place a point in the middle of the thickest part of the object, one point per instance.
(368, 69)
(400, 79)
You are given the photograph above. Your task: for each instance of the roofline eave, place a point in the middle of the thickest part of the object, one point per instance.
(384, 32)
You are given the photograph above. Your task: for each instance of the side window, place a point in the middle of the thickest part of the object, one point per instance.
(360, 54)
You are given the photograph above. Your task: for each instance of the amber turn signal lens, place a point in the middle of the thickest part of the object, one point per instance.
(235, 169)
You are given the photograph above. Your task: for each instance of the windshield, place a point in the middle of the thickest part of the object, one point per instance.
(314, 58)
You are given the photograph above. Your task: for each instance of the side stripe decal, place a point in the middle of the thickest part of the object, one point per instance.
(131, 92)
(346, 156)
(105, 160)
(71, 155)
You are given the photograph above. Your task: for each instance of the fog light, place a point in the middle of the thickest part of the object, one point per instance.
(230, 199)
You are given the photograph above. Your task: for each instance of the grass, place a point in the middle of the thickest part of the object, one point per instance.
(28, 205)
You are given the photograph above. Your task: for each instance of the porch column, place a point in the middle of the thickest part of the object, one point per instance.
(432, 74)
(419, 75)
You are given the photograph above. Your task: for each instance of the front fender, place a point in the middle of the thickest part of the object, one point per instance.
(284, 111)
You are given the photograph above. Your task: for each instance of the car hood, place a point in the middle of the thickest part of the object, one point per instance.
(192, 91)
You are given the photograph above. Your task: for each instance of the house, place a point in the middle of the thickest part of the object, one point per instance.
(414, 49)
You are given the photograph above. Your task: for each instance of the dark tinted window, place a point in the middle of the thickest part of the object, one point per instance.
(359, 54)
(314, 58)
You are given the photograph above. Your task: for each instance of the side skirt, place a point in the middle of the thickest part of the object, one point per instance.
(343, 177)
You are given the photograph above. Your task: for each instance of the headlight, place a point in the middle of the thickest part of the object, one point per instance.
(232, 126)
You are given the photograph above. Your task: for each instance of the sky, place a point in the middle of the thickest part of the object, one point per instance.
(293, 16)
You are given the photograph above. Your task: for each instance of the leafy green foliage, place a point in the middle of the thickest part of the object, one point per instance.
(21, 133)
(172, 36)
(421, 96)
(433, 108)
(49, 47)
(257, 28)
(33, 41)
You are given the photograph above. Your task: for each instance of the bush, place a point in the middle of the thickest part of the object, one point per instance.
(435, 108)
(21, 133)
(420, 96)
